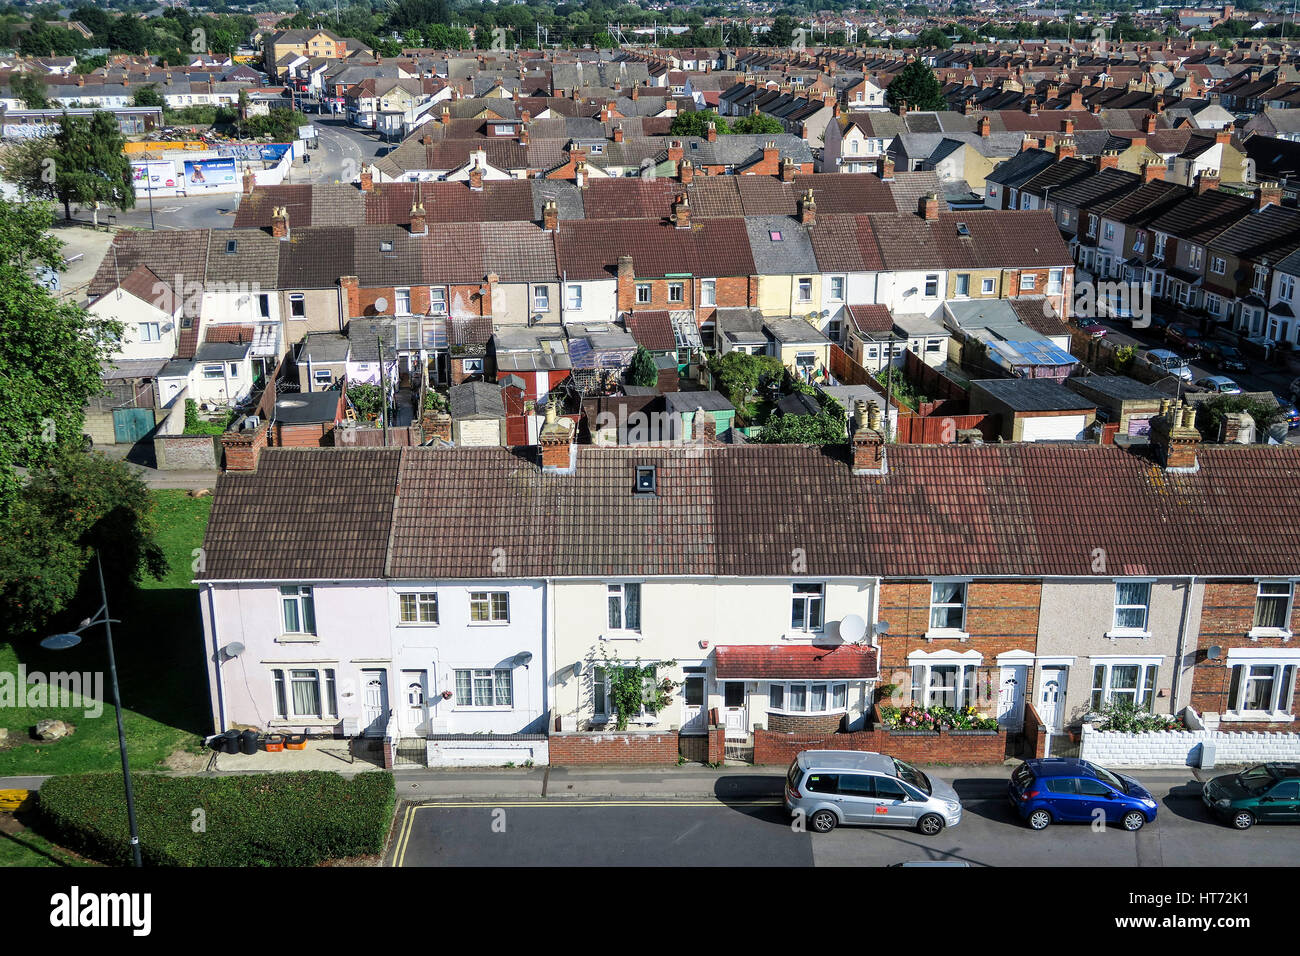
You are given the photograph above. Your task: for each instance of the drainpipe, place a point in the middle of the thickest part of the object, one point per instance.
(1182, 640)
(216, 649)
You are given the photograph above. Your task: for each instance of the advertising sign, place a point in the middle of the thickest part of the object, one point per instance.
(158, 177)
(210, 174)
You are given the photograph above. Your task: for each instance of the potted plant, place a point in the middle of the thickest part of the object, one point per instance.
(446, 695)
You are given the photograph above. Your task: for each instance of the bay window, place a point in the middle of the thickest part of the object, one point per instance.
(1264, 689)
(807, 697)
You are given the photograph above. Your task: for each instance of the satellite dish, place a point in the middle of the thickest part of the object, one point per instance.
(577, 668)
(61, 642)
(882, 627)
(853, 628)
(1214, 652)
(232, 650)
(522, 659)
(381, 304)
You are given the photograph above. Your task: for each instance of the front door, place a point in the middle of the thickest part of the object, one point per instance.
(1011, 698)
(1051, 698)
(374, 702)
(737, 718)
(416, 702)
(694, 719)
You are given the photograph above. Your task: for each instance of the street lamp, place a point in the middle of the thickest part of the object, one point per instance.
(61, 642)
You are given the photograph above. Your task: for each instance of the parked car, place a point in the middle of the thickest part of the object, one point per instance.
(1158, 323)
(1264, 793)
(1093, 327)
(1290, 414)
(1070, 790)
(833, 787)
(1183, 335)
(1219, 383)
(1227, 358)
(1170, 363)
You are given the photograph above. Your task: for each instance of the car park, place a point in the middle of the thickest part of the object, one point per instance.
(1071, 790)
(1264, 793)
(828, 788)
(1171, 363)
(1220, 384)
(1226, 358)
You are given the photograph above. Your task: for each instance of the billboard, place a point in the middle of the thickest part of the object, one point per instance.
(205, 174)
(157, 178)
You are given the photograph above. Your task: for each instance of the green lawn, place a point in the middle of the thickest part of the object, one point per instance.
(27, 848)
(160, 661)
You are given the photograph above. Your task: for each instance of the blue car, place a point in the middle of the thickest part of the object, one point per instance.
(1070, 790)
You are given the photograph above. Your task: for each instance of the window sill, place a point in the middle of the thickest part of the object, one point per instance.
(417, 624)
(622, 635)
(489, 623)
(469, 709)
(946, 634)
(1272, 717)
(298, 639)
(1255, 633)
(1126, 632)
(802, 635)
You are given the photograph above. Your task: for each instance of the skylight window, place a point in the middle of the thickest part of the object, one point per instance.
(385, 245)
(231, 245)
(645, 480)
(774, 236)
(962, 230)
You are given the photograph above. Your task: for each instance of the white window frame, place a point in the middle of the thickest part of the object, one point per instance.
(573, 297)
(489, 598)
(1028, 281)
(1118, 630)
(961, 288)
(644, 293)
(677, 292)
(150, 331)
(496, 675)
(618, 591)
(1217, 265)
(472, 366)
(1055, 281)
(1284, 667)
(1284, 632)
(930, 288)
(804, 289)
(402, 301)
(1261, 280)
(1158, 249)
(842, 283)
(541, 298)
(988, 286)
(322, 376)
(437, 300)
(214, 371)
(1195, 257)
(301, 596)
(297, 305)
(326, 681)
(808, 599)
(831, 686)
(1285, 287)
(961, 633)
(1144, 695)
(709, 292)
(421, 603)
(966, 677)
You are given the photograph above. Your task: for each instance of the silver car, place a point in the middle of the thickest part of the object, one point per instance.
(831, 787)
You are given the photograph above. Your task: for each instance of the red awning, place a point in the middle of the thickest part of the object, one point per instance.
(750, 662)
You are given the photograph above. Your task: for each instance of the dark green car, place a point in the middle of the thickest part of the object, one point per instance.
(1265, 793)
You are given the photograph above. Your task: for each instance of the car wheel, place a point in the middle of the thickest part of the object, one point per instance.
(1039, 820)
(930, 824)
(1243, 819)
(823, 821)
(1134, 820)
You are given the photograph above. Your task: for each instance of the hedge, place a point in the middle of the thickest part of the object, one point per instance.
(274, 819)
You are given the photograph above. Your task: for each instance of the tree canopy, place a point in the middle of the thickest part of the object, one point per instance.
(918, 87)
(696, 123)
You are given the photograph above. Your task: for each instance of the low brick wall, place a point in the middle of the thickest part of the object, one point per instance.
(949, 747)
(185, 452)
(631, 748)
(1033, 734)
(818, 726)
(1182, 748)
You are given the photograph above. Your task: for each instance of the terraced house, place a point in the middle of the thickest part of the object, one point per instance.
(425, 593)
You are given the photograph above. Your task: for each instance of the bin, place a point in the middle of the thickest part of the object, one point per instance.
(248, 742)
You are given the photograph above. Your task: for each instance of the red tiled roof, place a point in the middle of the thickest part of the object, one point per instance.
(651, 328)
(238, 334)
(589, 249)
(741, 662)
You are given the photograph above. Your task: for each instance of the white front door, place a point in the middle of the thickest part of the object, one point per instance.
(733, 701)
(374, 702)
(415, 683)
(694, 718)
(1051, 697)
(1011, 697)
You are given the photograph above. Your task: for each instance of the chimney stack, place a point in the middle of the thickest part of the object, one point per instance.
(618, 133)
(711, 132)
(887, 169)
(682, 212)
(771, 155)
(1108, 159)
(626, 283)
(1153, 170)
(558, 452)
(1206, 180)
(868, 441)
(419, 223)
(1174, 436)
(1223, 137)
(445, 116)
(984, 127)
(476, 178)
(580, 174)
(1065, 148)
(550, 216)
(808, 209)
(250, 180)
(928, 207)
(704, 428)
(367, 181)
(279, 223)
(1149, 123)
(675, 151)
(686, 172)
(1067, 127)
(1268, 193)
(788, 170)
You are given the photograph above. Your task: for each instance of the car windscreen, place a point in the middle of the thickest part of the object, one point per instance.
(1256, 779)
(1109, 779)
(909, 774)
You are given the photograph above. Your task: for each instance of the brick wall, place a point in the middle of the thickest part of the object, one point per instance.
(1033, 735)
(1227, 615)
(623, 749)
(242, 448)
(185, 452)
(947, 748)
(808, 726)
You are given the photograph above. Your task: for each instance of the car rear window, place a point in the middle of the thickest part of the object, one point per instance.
(823, 782)
(1022, 776)
(792, 777)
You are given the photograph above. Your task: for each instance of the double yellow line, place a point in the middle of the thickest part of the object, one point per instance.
(408, 818)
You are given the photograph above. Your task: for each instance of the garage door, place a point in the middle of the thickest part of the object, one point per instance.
(1053, 427)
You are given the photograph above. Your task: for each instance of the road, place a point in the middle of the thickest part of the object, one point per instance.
(756, 831)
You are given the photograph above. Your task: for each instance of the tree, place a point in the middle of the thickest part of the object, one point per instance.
(933, 37)
(781, 32)
(643, 372)
(757, 123)
(87, 163)
(827, 427)
(737, 374)
(696, 123)
(29, 88)
(71, 507)
(50, 352)
(147, 96)
(918, 87)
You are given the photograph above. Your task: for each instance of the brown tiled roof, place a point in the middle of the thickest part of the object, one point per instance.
(304, 517)
(845, 244)
(238, 334)
(178, 258)
(497, 201)
(993, 510)
(589, 249)
(518, 251)
(1037, 313)
(651, 328)
(625, 198)
(145, 285)
(871, 318)
(754, 662)
(845, 192)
